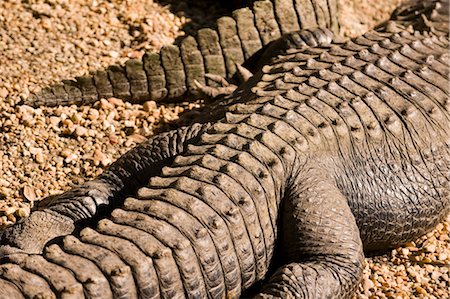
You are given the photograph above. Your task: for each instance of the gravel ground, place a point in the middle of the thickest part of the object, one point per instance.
(47, 150)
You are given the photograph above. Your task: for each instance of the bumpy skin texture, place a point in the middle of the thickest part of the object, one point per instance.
(324, 152)
(170, 74)
(56, 215)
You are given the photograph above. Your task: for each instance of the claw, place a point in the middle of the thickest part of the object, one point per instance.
(214, 92)
(218, 79)
(243, 73)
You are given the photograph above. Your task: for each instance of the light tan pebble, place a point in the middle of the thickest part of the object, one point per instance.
(444, 237)
(367, 284)
(145, 131)
(4, 183)
(104, 104)
(28, 121)
(29, 193)
(106, 124)
(67, 122)
(111, 116)
(430, 248)
(129, 124)
(135, 138)
(411, 246)
(399, 280)
(93, 133)
(435, 275)
(442, 256)
(22, 212)
(138, 114)
(192, 106)
(93, 114)
(65, 153)
(98, 157)
(149, 106)
(68, 130)
(81, 131)
(156, 113)
(11, 217)
(8, 210)
(114, 54)
(76, 118)
(116, 102)
(54, 121)
(106, 161)
(405, 252)
(179, 109)
(60, 113)
(71, 158)
(135, 54)
(3, 93)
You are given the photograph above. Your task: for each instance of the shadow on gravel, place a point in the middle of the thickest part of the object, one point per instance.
(203, 13)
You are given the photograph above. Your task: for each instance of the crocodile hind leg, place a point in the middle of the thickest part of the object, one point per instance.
(57, 215)
(321, 249)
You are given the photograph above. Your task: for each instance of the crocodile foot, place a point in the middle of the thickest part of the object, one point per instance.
(31, 235)
(225, 88)
(55, 216)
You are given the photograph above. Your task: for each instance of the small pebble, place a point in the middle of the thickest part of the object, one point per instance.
(430, 248)
(149, 106)
(81, 131)
(29, 193)
(3, 93)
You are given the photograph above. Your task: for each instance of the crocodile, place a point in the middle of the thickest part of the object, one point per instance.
(170, 74)
(330, 150)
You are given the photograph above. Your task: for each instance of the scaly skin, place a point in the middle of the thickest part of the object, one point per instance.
(170, 74)
(325, 152)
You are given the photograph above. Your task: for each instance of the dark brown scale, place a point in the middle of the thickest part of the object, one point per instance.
(119, 82)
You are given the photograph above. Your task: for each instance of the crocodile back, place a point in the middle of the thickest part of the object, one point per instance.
(376, 111)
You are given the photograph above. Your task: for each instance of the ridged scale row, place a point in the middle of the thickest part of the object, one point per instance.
(375, 98)
(171, 73)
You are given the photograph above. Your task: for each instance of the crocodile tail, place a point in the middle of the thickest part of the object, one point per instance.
(170, 74)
